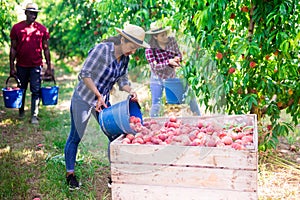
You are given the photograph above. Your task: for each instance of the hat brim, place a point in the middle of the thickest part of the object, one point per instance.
(31, 10)
(144, 44)
(159, 31)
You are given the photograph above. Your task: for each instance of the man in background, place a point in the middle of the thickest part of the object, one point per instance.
(28, 40)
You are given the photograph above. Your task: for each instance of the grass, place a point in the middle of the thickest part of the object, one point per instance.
(32, 159)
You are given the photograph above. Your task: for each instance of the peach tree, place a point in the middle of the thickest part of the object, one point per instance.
(6, 21)
(77, 25)
(245, 58)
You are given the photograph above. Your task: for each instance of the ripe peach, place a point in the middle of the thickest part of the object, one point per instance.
(155, 140)
(220, 144)
(252, 64)
(126, 141)
(267, 57)
(232, 16)
(173, 124)
(131, 119)
(200, 125)
(245, 9)
(237, 146)
(173, 119)
(130, 136)
(139, 135)
(231, 70)
(168, 141)
(227, 140)
(240, 135)
(279, 104)
(201, 135)
(219, 56)
(147, 138)
(139, 140)
(247, 139)
(233, 135)
(192, 136)
(222, 134)
(211, 141)
(155, 127)
(197, 142)
(162, 136)
(269, 127)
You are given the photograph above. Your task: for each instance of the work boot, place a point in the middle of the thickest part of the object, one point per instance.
(34, 120)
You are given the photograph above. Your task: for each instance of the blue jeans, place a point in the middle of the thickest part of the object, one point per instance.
(157, 88)
(30, 75)
(80, 114)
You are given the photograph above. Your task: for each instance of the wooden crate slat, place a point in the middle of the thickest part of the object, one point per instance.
(183, 155)
(149, 192)
(171, 172)
(209, 178)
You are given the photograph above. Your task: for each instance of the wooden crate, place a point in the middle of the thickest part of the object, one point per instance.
(170, 172)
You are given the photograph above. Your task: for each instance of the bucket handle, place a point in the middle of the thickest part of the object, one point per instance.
(52, 79)
(129, 99)
(16, 79)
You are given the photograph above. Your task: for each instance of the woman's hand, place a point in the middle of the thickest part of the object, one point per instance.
(174, 63)
(177, 59)
(133, 95)
(100, 103)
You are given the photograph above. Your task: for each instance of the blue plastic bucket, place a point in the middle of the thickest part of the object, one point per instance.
(49, 94)
(114, 120)
(175, 89)
(12, 96)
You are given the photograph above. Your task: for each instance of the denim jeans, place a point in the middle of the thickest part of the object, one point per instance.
(30, 75)
(157, 88)
(80, 112)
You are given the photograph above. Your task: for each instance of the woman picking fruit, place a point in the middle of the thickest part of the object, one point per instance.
(106, 64)
(164, 57)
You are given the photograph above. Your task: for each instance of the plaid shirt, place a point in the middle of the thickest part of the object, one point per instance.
(159, 59)
(102, 67)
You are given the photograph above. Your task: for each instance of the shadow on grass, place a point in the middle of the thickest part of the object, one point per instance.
(32, 159)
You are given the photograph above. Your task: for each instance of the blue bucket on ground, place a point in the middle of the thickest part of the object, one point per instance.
(13, 96)
(175, 89)
(49, 94)
(114, 120)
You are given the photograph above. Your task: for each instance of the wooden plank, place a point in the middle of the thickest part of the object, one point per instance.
(183, 155)
(176, 176)
(148, 192)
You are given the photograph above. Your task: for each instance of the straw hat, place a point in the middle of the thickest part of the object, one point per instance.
(33, 7)
(156, 28)
(135, 34)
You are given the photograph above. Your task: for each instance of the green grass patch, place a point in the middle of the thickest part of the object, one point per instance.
(32, 157)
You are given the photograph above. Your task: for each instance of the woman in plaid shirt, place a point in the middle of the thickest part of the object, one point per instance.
(163, 57)
(105, 65)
